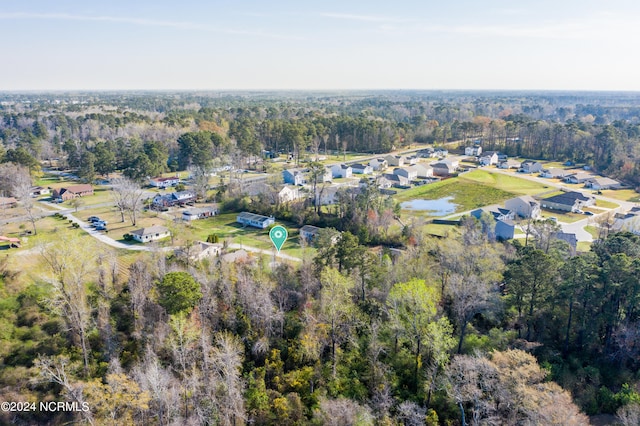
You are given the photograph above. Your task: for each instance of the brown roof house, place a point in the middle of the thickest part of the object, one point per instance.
(73, 191)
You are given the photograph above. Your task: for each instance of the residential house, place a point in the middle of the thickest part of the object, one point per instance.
(8, 202)
(440, 152)
(73, 191)
(568, 238)
(255, 220)
(310, 234)
(37, 191)
(397, 181)
(509, 164)
(502, 157)
(554, 173)
(571, 201)
(329, 195)
(530, 166)
(525, 206)
(199, 213)
(174, 199)
(629, 221)
(341, 171)
(600, 183)
(427, 153)
(164, 182)
(362, 169)
(411, 160)
(504, 226)
(444, 167)
(423, 170)
(383, 182)
(289, 193)
(378, 164)
(152, 233)
(579, 177)
(473, 150)
(294, 177)
(488, 158)
(407, 172)
(200, 251)
(395, 160)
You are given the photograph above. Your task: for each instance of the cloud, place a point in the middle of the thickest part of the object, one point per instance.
(183, 25)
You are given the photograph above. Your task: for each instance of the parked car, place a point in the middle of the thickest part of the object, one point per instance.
(101, 227)
(99, 223)
(93, 219)
(588, 213)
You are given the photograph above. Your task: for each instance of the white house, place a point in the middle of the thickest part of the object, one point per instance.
(599, 183)
(580, 177)
(378, 164)
(444, 167)
(423, 170)
(489, 158)
(473, 150)
(255, 220)
(199, 213)
(554, 173)
(294, 177)
(362, 169)
(288, 193)
(629, 221)
(341, 171)
(510, 164)
(164, 182)
(152, 233)
(397, 180)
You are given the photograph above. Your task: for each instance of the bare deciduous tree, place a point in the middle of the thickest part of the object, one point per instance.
(127, 196)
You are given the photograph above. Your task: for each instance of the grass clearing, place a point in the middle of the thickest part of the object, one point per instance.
(507, 183)
(565, 217)
(622, 194)
(592, 230)
(606, 204)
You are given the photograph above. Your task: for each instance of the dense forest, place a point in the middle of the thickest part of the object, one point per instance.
(599, 129)
(448, 331)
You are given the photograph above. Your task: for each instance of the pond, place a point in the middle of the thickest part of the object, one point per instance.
(439, 207)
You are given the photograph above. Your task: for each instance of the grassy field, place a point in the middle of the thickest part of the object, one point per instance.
(467, 194)
(592, 230)
(565, 217)
(606, 204)
(622, 194)
(507, 183)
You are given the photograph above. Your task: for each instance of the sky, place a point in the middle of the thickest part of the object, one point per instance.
(319, 45)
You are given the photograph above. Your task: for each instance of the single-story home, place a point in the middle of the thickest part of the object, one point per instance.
(530, 166)
(200, 250)
(579, 177)
(174, 199)
(152, 233)
(599, 183)
(510, 164)
(525, 206)
(36, 191)
(362, 169)
(255, 220)
(554, 173)
(341, 171)
(164, 182)
(73, 191)
(199, 213)
(568, 201)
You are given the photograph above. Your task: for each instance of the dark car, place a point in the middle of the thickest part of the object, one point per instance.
(101, 227)
(588, 213)
(93, 219)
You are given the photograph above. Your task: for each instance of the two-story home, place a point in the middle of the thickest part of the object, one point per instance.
(397, 181)
(294, 177)
(629, 221)
(474, 151)
(525, 206)
(408, 172)
(288, 193)
(395, 160)
(488, 158)
(444, 167)
(504, 225)
(341, 171)
(378, 164)
(423, 170)
(530, 166)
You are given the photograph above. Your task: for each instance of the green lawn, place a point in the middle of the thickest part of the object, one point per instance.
(592, 230)
(622, 194)
(565, 217)
(606, 204)
(507, 183)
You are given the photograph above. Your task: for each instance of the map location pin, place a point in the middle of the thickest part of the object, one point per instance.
(278, 235)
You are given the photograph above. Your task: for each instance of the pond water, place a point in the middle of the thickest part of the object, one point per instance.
(439, 207)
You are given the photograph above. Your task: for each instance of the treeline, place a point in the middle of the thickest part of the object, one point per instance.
(445, 331)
